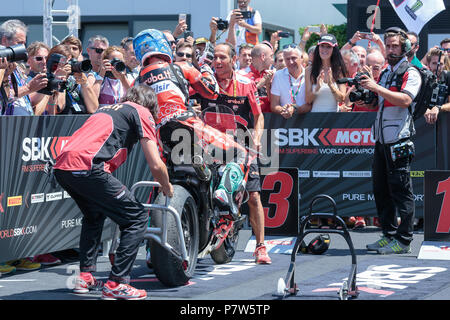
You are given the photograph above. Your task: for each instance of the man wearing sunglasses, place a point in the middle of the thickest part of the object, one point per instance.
(37, 60)
(184, 52)
(96, 45)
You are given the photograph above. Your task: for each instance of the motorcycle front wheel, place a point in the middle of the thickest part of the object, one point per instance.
(225, 253)
(168, 268)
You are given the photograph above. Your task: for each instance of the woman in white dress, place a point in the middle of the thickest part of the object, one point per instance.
(322, 91)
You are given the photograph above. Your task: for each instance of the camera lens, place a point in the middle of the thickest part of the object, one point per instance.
(14, 53)
(118, 64)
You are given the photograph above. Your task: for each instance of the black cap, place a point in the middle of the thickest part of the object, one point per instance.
(328, 38)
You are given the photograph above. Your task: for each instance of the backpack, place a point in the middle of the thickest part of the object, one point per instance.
(422, 100)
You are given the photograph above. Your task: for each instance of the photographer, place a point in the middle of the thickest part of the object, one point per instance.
(13, 32)
(247, 29)
(74, 94)
(111, 83)
(436, 62)
(392, 129)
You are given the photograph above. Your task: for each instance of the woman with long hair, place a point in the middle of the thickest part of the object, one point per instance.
(327, 67)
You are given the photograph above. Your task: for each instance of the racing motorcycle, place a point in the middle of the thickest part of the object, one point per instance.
(193, 223)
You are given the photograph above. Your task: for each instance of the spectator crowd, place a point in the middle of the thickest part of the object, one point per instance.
(289, 80)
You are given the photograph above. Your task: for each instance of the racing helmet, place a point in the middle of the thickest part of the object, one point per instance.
(318, 245)
(150, 42)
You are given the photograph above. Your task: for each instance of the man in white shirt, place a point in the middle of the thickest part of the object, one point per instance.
(288, 85)
(247, 30)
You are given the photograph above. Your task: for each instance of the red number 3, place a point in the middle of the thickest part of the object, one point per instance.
(280, 199)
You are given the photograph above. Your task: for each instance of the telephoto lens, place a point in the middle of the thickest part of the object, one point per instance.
(14, 53)
(80, 66)
(118, 64)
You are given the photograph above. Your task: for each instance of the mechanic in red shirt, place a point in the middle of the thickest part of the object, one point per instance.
(84, 170)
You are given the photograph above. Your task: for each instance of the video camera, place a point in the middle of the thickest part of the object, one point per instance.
(222, 24)
(360, 94)
(14, 53)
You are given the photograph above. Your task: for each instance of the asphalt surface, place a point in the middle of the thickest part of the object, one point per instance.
(242, 279)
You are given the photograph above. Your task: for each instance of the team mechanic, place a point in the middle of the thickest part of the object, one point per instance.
(84, 170)
(393, 128)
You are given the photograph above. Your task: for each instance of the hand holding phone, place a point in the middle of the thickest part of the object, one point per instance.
(182, 17)
(314, 29)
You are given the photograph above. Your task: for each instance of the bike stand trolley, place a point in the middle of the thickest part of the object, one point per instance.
(157, 234)
(288, 286)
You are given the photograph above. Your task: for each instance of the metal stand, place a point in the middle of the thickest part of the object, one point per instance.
(72, 23)
(288, 286)
(157, 234)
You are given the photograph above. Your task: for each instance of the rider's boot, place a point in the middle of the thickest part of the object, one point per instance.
(231, 182)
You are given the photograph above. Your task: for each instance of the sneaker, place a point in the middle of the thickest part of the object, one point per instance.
(6, 268)
(384, 241)
(46, 259)
(114, 291)
(360, 223)
(395, 247)
(86, 283)
(25, 264)
(261, 256)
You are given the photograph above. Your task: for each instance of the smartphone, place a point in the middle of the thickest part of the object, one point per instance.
(284, 34)
(366, 35)
(314, 29)
(181, 17)
(246, 14)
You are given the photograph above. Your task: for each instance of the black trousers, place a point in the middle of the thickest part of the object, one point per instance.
(393, 192)
(99, 195)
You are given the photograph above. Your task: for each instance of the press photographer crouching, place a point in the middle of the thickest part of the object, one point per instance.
(441, 93)
(68, 88)
(392, 129)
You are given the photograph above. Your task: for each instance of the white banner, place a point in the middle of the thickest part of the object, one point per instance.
(416, 13)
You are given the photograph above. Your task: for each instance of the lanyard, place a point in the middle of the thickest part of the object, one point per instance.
(294, 95)
(234, 88)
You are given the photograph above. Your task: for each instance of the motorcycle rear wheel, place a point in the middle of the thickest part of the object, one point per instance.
(166, 266)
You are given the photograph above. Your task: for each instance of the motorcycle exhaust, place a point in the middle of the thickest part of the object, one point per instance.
(199, 165)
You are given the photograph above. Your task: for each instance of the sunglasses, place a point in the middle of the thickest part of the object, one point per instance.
(38, 58)
(182, 54)
(292, 45)
(97, 50)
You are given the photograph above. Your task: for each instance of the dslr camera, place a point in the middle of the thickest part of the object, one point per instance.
(360, 94)
(117, 64)
(14, 53)
(222, 24)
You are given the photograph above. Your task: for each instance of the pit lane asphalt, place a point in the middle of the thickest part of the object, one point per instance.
(53, 282)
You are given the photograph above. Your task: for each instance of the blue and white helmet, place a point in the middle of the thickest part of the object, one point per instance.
(151, 42)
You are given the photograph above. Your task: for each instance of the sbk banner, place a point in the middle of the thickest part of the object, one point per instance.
(334, 151)
(34, 218)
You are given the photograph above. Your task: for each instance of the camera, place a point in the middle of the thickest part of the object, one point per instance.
(247, 14)
(53, 83)
(439, 94)
(222, 24)
(14, 53)
(188, 34)
(360, 94)
(80, 66)
(118, 64)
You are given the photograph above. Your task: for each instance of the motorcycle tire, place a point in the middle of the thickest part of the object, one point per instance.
(168, 268)
(225, 253)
